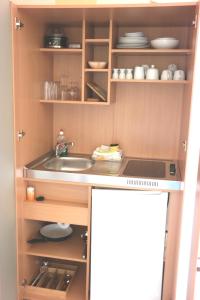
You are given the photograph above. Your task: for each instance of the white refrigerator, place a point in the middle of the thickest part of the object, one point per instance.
(127, 244)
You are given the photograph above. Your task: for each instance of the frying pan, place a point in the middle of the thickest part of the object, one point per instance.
(53, 232)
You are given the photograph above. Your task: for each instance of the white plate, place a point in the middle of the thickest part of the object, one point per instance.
(54, 231)
(134, 34)
(125, 39)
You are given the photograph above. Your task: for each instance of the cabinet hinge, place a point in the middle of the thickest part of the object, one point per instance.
(24, 282)
(194, 22)
(20, 135)
(165, 246)
(18, 24)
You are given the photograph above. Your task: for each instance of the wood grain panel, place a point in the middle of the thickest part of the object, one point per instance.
(147, 120)
(87, 127)
(33, 69)
(171, 254)
(132, 122)
(56, 211)
(62, 192)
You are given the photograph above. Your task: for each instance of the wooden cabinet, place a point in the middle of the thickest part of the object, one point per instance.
(149, 119)
(64, 204)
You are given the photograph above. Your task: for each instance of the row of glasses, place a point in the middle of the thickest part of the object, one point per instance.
(51, 90)
(61, 90)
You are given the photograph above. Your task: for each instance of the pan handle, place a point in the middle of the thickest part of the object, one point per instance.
(37, 240)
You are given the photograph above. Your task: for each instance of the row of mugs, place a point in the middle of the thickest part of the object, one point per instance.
(149, 73)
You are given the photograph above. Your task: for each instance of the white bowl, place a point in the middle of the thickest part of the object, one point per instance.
(165, 43)
(97, 64)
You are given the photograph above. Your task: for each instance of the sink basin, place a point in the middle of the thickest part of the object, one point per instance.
(69, 163)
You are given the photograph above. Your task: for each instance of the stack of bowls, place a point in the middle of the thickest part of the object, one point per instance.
(165, 43)
(133, 40)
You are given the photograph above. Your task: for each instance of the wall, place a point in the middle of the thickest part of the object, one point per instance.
(7, 203)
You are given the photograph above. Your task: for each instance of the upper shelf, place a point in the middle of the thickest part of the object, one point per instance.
(61, 51)
(152, 51)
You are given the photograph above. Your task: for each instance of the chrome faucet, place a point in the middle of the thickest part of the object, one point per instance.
(62, 148)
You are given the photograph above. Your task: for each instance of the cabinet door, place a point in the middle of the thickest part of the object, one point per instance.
(127, 244)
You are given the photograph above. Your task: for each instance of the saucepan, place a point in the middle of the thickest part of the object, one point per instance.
(53, 232)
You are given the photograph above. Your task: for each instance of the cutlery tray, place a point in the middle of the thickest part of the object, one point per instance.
(56, 278)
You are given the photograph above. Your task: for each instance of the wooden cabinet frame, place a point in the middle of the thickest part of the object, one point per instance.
(131, 108)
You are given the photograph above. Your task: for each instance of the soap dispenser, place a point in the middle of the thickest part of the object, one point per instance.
(61, 145)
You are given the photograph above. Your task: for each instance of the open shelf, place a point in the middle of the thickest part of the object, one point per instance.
(152, 51)
(85, 102)
(61, 51)
(61, 101)
(96, 70)
(70, 249)
(150, 81)
(56, 211)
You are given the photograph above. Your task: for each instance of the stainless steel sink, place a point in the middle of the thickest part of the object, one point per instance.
(69, 163)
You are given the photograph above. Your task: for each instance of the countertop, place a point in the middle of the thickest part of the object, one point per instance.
(109, 173)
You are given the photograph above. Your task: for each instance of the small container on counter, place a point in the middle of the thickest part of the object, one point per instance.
(30, 193)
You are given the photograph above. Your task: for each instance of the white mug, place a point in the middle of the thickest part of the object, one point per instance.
(115, 74)
(139, 73)
(179, 75)
(166, 75)
(122, 73)
(152, 73)
(129, 74)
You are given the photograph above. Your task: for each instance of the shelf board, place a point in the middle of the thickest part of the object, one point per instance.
(61, 101)
(56, 211)
(145, 81)
(69, 249)
(61, 51)
(97, 41)
(152, 51)
(77, 102)
(96, 70)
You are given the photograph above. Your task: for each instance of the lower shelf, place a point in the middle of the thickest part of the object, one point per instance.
(70, 249)
(77, 290)
(88, 101)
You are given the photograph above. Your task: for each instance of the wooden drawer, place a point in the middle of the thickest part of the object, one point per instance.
(56, 211)
(75, 290)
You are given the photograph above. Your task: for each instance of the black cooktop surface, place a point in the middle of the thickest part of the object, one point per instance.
(145, 168)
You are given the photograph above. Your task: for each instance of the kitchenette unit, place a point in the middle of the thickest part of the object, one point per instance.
(119, 76)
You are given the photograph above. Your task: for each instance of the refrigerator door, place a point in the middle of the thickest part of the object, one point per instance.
(127, 244)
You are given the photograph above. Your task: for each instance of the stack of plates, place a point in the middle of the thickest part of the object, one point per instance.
(133, 40)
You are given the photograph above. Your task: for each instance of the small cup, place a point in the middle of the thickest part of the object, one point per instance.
(122, 73)
(129, 74)
(179, 75)
(30, 193)
(172, 67)
(139, 73)
(166, 75)
(152, 73)
(115, 74)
